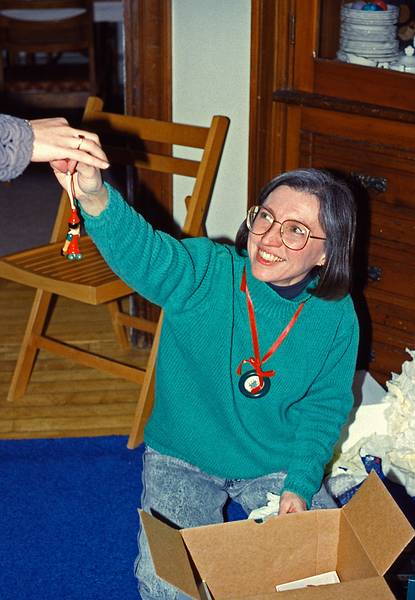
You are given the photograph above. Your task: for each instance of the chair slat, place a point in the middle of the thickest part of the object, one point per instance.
(91, 360)
(152, 161)
(151, 130)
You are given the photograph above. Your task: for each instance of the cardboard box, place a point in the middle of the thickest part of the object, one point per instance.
(246, 559)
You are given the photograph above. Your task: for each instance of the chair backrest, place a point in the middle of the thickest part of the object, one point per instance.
(35, 35)
(130, 141)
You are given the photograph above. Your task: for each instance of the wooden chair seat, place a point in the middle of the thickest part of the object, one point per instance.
(89, 280)
(134, 142)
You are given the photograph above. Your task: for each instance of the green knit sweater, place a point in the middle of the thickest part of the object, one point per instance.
(200, 415)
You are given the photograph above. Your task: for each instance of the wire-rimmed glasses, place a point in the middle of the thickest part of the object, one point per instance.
(294, 234)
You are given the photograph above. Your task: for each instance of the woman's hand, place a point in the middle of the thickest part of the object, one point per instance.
(291, 503)
(88, 187)
(55, 141)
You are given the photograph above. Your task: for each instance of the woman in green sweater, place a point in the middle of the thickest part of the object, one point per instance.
(257, 352)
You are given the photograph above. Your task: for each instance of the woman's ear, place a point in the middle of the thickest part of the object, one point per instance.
(322, 261)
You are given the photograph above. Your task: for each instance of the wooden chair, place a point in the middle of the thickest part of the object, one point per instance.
(91, 280)
(37, 37)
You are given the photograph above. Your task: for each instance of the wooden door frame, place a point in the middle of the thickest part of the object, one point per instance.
(272, 58)
(148, 58)
(148, 77)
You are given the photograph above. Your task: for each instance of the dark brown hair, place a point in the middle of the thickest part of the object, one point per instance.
(337, 217)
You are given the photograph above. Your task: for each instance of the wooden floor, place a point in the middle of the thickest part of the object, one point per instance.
(63, 399)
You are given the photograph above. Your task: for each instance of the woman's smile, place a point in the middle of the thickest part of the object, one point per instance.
(265, 257)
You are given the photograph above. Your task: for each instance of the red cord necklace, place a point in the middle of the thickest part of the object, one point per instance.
(256, 382)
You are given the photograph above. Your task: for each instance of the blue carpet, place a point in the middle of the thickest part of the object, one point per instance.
(68, 518)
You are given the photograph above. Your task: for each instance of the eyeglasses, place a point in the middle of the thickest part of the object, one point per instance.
(294, 234)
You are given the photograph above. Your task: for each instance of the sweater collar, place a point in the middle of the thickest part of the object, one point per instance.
(293, 290)
(264, 297)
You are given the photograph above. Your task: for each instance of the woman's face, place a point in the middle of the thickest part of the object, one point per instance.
(273, 262)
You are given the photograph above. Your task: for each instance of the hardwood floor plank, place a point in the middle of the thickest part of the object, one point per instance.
(50, 433)
(66, 411)
(64, 399)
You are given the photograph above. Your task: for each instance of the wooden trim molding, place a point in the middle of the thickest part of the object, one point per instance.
(148, 93)
(311, 100)
(261, 88)
(148, 87)
(148, 58)
(272, 58)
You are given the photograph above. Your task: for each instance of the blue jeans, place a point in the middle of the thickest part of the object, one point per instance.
(188, 497)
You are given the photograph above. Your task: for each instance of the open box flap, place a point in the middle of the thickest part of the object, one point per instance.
(169, 554)
(205, 592)
(378, 522)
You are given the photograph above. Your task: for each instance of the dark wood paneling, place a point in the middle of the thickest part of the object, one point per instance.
(148, 64)
(382, 155)
(148, 58)
(329, 28)
(383, 87)
(350, 118)
(344, 105)
(272, 51)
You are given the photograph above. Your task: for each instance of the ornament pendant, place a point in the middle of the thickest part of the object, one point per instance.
(249, 381)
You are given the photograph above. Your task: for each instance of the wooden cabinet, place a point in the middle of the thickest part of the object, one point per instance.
(360, 121)
(381, 157)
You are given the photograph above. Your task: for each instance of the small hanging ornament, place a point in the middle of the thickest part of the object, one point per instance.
(70, 248)
(252, 386)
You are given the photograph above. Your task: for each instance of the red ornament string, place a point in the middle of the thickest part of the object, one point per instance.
(256, 360)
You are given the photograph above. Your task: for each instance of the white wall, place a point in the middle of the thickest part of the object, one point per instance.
(211, 63)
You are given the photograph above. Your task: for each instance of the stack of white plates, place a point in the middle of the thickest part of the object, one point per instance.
(369, 34)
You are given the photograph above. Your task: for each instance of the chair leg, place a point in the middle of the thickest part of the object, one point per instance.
(28, 350)
(119, 329)
(142, 412)
(146, 397)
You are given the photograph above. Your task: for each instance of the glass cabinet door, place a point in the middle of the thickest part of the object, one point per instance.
(375, 28)
(318, 70)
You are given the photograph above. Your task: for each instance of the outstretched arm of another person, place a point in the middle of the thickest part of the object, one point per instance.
(55, 141)
(48, 140)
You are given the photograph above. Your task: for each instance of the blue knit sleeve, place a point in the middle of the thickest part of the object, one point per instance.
(166, 271)
(16, 146)
(324, 410)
